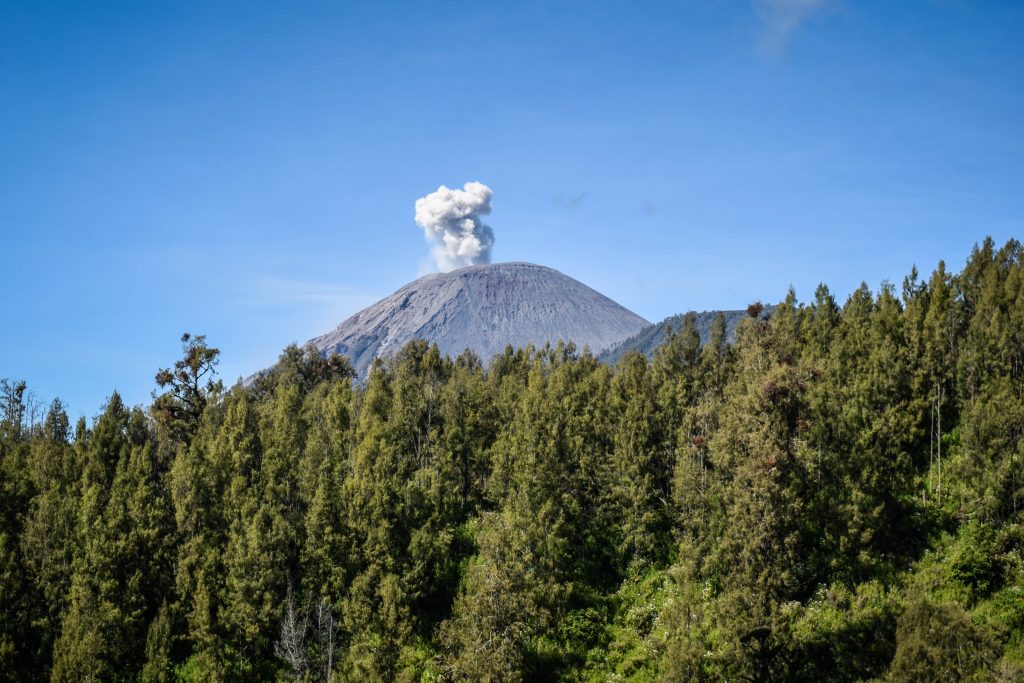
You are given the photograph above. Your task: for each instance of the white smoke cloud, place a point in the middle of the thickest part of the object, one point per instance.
(451, 219)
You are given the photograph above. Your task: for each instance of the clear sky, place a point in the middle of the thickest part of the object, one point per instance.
(248, 170)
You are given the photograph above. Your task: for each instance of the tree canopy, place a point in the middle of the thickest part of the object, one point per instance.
(838, 495)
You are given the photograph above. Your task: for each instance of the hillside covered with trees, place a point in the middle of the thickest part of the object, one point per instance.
(838, 495)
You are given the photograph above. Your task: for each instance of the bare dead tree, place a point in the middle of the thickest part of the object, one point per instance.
(308, 640)
(12, 407)
(325, 628)
(291, 645)
(35, 410)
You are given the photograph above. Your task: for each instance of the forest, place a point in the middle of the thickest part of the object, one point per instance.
(836, 496)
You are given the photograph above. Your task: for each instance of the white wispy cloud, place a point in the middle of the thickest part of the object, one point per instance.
(570, 203)
(305, 308)
(780, 19)
(280, 291)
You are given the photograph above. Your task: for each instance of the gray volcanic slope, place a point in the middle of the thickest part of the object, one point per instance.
(483, 308)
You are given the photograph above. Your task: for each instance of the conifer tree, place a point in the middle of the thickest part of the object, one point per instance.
(642, 467)
(189, 387)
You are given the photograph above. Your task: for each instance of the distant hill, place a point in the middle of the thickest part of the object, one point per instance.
(652, 336)
(483, 308)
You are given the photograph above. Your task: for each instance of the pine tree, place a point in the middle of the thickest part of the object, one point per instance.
(760, 556)
(157, 668)
(642, 463)
(509, 596)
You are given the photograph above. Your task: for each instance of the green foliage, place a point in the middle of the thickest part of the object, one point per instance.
(837, 495)
(940, 642)
(843, 634)
(157, 668)
(189, 387)
(510, 596)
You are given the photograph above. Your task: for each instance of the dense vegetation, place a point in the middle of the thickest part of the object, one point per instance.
(837, 496)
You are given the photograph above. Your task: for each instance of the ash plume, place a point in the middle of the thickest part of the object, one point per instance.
(451, 219)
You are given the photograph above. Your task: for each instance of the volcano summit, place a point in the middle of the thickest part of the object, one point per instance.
(483, 308)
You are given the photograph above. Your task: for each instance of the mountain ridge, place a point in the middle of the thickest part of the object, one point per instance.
(647, 340)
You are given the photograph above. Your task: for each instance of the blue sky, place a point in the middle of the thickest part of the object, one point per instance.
(248, 170)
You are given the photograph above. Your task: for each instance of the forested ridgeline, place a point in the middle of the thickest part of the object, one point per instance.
(836, 496)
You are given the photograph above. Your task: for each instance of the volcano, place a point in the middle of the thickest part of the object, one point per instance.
(483, 308)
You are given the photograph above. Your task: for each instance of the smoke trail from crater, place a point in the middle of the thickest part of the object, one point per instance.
(451, 219)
